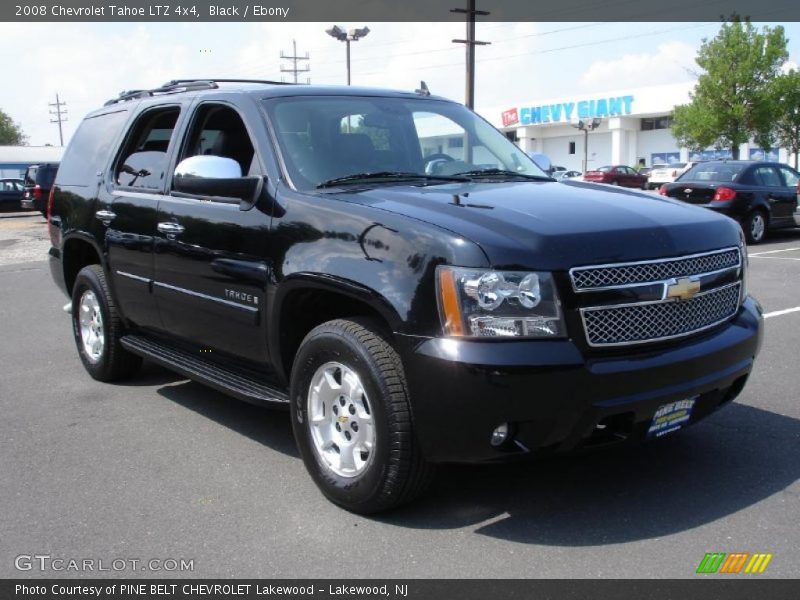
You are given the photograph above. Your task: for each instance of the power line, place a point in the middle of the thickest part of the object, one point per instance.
(60, 117)
(294, 70)
(560, 48)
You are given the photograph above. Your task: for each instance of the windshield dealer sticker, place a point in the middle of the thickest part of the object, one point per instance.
(671, 417)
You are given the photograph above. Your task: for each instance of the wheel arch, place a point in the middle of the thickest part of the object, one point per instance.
(306, 300)
(77, 252)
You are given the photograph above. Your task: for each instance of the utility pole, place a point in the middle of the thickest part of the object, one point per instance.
(60, 116)
(470, 43)
(294, 58)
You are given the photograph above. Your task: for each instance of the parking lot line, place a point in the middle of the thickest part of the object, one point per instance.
(775, 257)
(772, 251)
(778, 313)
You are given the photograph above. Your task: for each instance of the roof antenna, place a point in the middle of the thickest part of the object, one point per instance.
(423, 89)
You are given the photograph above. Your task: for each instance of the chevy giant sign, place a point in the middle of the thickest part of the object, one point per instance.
(565, 111)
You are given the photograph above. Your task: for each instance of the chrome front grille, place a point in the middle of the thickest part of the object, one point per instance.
(626, 274)
(662, 320)
(696, 293)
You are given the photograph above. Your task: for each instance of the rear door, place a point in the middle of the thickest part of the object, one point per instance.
(782, 199)
(210, 271)
(138, 179)
(631, 177)
(791, 180)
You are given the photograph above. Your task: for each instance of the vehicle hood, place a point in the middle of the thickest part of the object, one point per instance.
(557, 225)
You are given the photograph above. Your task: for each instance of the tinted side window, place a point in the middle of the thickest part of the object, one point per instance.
(143, 160)
(46, 176)
(767, 176)
(87, 153)
(30, 176)
(790, 176)
(218, 130)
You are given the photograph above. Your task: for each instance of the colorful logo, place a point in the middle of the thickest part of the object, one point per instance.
(734, 563)
(510, 117)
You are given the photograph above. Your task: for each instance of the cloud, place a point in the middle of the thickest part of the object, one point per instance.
(672, 62)
(789, 65)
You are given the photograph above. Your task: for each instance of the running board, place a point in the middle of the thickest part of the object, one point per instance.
(243, 386)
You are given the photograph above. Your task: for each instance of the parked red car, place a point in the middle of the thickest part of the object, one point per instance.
(617, 175)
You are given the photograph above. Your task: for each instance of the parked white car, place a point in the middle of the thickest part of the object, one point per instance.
(662, 174)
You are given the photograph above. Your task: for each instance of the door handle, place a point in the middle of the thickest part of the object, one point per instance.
(105, 216)
(171, 229)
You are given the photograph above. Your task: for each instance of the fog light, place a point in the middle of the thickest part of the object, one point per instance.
(500, 434)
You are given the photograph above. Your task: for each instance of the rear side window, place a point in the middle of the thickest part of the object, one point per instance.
(87, 153)
(767, 177)
(790, 176)
(46, 175)
(143, 160)
(30, 176)
(720, 172)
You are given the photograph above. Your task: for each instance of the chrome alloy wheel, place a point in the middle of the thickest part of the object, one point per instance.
(340, 420)
(90, 319)
(757, 226)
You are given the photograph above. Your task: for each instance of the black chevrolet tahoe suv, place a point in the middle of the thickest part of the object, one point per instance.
(398, 274)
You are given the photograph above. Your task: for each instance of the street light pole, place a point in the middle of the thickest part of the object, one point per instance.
(347, 36)
(586, 127)
(347, 42)
(585, 150)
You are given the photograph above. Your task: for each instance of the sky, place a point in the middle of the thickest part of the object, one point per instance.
(89, 63)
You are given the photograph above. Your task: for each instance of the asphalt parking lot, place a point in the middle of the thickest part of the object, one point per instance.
(160, 467)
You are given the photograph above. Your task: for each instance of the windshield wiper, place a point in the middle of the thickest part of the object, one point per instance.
(388, 176)
(503, 173)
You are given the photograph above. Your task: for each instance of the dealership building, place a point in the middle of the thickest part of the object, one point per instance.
(633, 126)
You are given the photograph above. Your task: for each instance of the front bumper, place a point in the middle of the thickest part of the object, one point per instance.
(555, 398)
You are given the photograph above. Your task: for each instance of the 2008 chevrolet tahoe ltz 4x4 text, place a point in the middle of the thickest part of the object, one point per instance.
(390, 267)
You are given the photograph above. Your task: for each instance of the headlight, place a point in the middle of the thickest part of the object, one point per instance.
(488, 303)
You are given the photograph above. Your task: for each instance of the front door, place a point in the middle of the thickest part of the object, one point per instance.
(210, 270)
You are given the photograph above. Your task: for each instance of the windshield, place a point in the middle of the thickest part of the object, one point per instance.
(326, 138)
(719, 172)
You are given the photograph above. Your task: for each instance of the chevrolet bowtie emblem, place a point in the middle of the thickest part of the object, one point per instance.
(687, 191)
(683, 289)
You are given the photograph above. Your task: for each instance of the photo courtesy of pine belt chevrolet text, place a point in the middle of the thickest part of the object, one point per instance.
(312, 248)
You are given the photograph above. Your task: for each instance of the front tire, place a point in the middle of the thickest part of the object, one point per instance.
(97, 328)
(755, 227)
(352, 419)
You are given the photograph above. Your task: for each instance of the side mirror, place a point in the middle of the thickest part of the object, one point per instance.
(216, 177)
(542, 161)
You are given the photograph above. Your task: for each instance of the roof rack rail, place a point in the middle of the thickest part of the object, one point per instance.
(185, 85)
(170, 87)
(216, 80)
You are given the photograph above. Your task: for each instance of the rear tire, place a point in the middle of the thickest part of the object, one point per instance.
(755, 226)
(352, 420)
(97, 328)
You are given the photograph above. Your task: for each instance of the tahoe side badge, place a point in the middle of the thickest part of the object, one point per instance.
(671, 417)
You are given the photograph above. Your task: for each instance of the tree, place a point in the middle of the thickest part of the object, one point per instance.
(733, 99)
(787, 122)
(10, 133)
